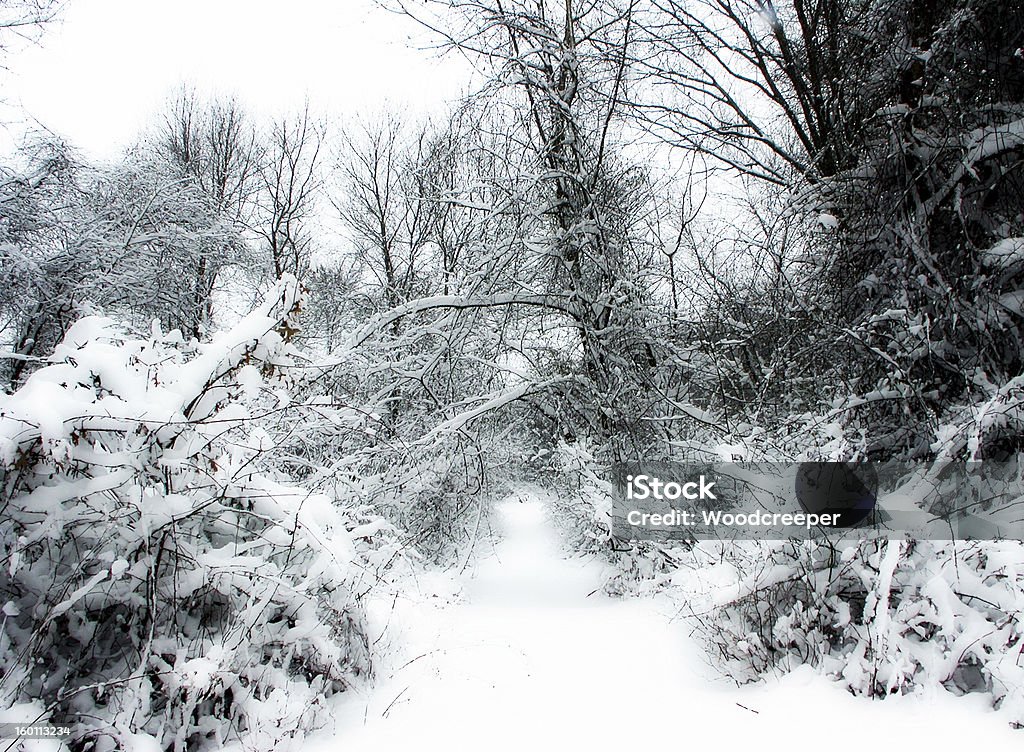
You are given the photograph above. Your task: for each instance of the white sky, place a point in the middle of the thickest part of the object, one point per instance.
(107, 67)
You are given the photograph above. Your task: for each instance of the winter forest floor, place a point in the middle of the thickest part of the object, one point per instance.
(525, 651)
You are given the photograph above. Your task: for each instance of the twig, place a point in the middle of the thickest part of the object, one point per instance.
(388, 708)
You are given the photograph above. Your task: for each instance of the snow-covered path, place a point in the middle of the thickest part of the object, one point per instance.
(530, 655)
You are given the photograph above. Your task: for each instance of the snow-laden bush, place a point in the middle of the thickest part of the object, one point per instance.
(881, 617)
(885, 617)
(583, 508)
(585, 496)
(160, 578)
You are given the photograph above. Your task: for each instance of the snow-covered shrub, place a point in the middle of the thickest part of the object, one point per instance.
(886, 617)
(437, 495)
(881, 617)
(161, 578)
(433, 485)
(585, 495)
(582, 507)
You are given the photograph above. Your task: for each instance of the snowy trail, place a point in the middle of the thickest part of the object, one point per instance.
(533, 656)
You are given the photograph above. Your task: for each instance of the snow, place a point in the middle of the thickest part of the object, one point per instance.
(526, 652)
(990, 140)
(1007, 253)
(731, 452)
(828, 221)
(1013, 302)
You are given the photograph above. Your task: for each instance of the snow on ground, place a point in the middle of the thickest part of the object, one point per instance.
(527, 653)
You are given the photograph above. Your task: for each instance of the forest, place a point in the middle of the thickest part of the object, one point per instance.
(257, 369)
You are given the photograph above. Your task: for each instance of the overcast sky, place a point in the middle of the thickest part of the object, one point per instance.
(107, 66)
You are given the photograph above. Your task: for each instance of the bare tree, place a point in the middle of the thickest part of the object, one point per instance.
(213, 145)
(766, 89)
(560, 76)
(25, 20)
(290, 181)
(894, 127)
(378, 202)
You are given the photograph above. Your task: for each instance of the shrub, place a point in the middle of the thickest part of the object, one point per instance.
(881, 617)
(161, 578)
